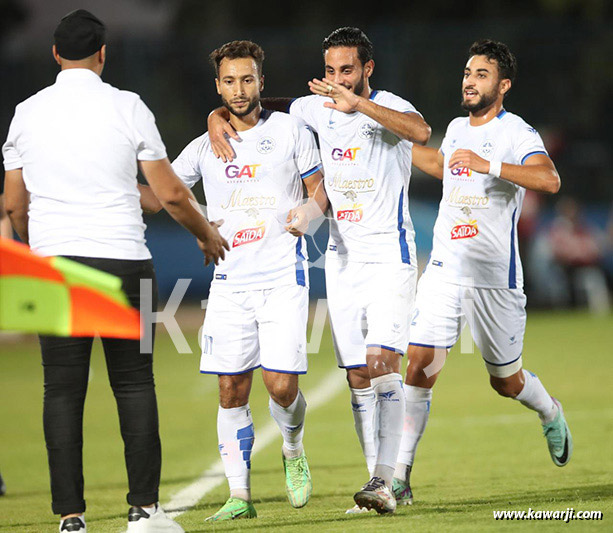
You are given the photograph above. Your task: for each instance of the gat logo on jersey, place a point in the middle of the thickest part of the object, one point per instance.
(338, 154)
(246, 171)
(351, 213)
(465, 230)
(248, 235)
(461, 171)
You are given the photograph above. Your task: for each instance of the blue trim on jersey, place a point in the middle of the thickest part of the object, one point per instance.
(352, 366)
(430, 346)
(512, 273)
(502, 113)
(503, 364)
(300, 277)
(404, 247)
(290, 104)
(311, 172)
(230, 373)
(283, 371)
(373, 94)
(401, 352)
(532, 153)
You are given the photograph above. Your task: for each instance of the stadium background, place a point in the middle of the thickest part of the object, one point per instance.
(159, 49)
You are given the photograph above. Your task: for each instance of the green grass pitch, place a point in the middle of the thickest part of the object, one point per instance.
(480, 452)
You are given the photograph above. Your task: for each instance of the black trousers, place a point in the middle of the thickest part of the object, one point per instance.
(66, 371)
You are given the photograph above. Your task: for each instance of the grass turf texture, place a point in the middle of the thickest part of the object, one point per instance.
(480, 452)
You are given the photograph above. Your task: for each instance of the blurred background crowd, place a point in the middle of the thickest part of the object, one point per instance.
(159, 49)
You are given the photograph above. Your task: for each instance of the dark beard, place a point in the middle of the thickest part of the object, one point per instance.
(359, 88)
(486, 100)
(252, 105)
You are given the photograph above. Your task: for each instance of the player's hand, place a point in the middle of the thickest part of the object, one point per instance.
(219, 132)
(298, 221)
(345, 100)
(213, 246)
(468, 159)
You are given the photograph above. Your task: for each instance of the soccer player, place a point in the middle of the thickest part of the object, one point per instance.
(366, 137)
(258, 304)
(486, 161)
(71, 162)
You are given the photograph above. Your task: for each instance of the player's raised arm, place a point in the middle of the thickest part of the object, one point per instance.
(409, 126)
(220, 129)
(537, 173)
(428, 160)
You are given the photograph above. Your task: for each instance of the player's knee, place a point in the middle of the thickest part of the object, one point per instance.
(358, 378)
(283, 395)
(233, 393)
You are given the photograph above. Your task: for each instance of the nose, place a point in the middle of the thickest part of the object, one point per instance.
(338, 77)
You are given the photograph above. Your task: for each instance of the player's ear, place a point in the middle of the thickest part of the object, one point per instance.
(217, 85)
(505, 86)
(369, 67)
(261, 82)
(56, 56)
(102, 54)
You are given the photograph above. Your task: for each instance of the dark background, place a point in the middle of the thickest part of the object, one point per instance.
(159, 49)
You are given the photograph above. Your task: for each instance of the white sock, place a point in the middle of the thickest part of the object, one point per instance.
(151, 510)
(535, 397)
(415, 419)
(389, 415)
(363, 405)
(236, 436)
(291, 423)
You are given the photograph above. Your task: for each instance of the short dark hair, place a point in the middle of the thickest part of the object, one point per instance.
(352, 38)
(507, 64)
(78, 35)
(235, 50)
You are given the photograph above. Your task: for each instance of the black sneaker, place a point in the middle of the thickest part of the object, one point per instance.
(2, 486)
(76, 524)
(140, 521)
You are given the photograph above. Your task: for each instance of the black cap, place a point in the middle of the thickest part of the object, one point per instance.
(79, 35)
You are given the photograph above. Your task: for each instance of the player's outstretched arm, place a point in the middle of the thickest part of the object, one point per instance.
(409, 126)
(298, 218)
(149, 202)
(180, 203)
(16, 202)
(538, 173)
(219, 127)
(428, 160)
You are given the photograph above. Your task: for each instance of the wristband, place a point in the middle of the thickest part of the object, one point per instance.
(495, 168)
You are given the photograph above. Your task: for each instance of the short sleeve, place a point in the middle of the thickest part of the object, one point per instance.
(304, 109)
(308, 159)
(10, 154)
(527, 142)
(149, 145)
(187, 165)
(398, 104)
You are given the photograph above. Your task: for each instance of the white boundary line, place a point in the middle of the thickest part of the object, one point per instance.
(214, 476)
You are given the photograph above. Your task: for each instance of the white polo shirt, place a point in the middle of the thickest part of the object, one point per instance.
(78, 142)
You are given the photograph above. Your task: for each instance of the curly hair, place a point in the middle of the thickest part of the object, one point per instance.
(235, 50)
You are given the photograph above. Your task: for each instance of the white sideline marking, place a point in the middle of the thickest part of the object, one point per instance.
(214, 476)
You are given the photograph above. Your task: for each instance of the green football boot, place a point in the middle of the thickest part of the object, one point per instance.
(559, 439)
(298, 484)
(234, 509)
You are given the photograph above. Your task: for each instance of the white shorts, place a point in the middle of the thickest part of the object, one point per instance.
(370, 304)
(496, 317)
(245, 330)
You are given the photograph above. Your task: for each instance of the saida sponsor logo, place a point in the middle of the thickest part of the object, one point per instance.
(249, 235)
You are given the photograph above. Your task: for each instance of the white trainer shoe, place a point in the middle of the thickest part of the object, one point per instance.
(140, 521)
(376, 495)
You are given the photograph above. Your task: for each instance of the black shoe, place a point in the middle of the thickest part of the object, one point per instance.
(2, 486)
(73, 525)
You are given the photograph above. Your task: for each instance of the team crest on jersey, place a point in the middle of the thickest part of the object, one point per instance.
(487, 148)
(350, 213)
(265, 145)
(366, 130)
(249, 235)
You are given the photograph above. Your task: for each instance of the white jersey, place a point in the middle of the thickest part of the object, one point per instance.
(253, 195)
(475, 234)
(367, 170)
